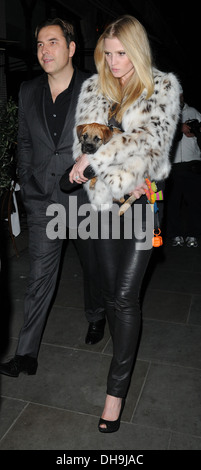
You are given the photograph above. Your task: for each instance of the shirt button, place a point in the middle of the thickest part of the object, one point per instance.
(55, 133)
(56, 153)
(54, 115)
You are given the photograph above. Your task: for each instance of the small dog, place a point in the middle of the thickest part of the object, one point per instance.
(92, 136)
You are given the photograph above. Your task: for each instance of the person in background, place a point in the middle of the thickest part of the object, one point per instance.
(46, 119)
(183, 199)
(129, 93)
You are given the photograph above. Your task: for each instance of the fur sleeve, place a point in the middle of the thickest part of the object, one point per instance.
(91, 107)
(143, 149)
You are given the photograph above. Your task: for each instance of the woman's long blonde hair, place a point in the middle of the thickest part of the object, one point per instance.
(133, 37)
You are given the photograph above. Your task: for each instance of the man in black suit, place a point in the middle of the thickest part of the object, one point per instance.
(46, 120)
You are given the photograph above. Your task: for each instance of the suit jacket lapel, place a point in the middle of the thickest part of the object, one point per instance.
(70, 116)
(40, 107)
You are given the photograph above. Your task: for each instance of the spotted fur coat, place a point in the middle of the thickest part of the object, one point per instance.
(142, 149)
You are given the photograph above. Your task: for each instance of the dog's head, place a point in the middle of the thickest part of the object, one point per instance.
(92, 136)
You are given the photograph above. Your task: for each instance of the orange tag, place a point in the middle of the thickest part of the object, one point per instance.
(157, 239)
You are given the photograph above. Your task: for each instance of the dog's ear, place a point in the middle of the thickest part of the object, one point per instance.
(107, 134)
(80, 130)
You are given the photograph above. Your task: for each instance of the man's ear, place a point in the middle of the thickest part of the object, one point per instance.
(72, 48)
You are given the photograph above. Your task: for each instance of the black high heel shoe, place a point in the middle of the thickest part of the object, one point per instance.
(111, 426)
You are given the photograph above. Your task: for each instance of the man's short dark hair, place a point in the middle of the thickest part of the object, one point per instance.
(66, 27)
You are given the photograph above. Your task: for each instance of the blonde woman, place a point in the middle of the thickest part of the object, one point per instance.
(143, 102)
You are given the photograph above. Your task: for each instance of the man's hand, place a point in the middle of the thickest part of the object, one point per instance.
(186, 130)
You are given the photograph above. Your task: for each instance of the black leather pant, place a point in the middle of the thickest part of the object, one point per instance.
(122, 268)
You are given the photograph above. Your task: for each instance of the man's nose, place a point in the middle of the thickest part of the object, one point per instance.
(45, 49)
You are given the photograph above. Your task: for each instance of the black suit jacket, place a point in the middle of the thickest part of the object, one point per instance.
(40, 163)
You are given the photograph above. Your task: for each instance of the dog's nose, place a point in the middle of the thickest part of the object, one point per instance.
(88, 148)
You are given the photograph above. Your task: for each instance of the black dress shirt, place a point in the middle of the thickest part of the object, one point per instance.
(56, 111)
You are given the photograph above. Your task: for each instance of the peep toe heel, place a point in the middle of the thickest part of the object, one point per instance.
(111, 426)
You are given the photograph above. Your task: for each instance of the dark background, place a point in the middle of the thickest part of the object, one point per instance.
(172, 27)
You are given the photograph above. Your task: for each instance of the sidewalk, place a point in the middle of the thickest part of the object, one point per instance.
(60, 406)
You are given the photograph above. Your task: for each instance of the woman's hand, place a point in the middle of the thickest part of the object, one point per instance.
(139, 191)
(76, 173)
